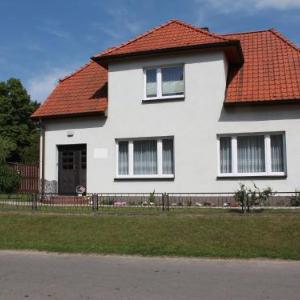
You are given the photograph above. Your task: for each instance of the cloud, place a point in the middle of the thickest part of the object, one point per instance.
(278, 4)
(107, 30)
(40, 86)
(229, 6)
(124, 19)
(53, 27)
(55, 32)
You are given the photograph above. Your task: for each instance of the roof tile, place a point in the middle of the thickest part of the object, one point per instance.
(270, 73)
(271, 69)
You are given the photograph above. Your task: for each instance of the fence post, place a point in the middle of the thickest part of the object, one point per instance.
(34, 201)
(93, 202)
(97, 202)
(168, 202)
(163, 201)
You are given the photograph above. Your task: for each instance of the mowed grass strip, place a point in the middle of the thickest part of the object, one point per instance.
(204, 234)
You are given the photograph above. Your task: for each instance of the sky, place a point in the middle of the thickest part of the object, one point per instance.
(42, 41)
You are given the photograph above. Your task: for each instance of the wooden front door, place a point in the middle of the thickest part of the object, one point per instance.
(71, 168)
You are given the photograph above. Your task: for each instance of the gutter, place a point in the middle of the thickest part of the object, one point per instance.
(106, 59)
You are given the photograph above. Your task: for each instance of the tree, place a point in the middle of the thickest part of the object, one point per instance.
(15, 123)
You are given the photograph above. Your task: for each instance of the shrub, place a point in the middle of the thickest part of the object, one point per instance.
(9, 179)
(248, 197)
(151, 199)
(295, 199)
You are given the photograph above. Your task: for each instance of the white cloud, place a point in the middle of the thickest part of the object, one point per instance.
(228, 6)
(39, 87)
(124, 20)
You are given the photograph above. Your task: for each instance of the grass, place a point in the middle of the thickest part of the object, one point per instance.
(198, 233)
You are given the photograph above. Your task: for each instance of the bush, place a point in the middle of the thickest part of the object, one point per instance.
(295, 199)
(248, 197)
(9, 179)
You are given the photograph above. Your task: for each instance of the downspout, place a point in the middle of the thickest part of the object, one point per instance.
(43, 159)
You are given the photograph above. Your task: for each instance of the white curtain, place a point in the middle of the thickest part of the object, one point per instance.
(123, 158)
(151, 89)
(172, 81)
(145, 157)
(251, 154)
(225, 155)
(277, 153)
(168, 157)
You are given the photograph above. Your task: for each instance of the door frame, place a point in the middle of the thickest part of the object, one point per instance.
(58, 147)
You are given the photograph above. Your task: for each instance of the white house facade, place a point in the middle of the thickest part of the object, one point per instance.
(163, 123)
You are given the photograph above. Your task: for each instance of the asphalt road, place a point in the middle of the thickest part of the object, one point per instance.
(32, 275)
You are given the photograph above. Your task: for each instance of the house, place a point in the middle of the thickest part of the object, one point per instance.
(177, 109)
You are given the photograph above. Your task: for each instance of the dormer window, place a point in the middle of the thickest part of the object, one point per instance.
(164, 83)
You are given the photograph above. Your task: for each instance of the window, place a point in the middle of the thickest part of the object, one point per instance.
(165, 82)
(83, 159)
(153, 158)
(123, 158)
(68, 160)
(145, 157)
(251, 155)
(151, 83)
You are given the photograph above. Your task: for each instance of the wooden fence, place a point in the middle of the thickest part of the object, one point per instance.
(29, 177)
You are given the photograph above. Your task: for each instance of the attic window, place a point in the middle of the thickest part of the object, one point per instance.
(164, 83)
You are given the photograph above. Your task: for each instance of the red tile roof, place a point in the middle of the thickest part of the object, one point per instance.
(271, 69)
(173, 34)
(83, 92)
(270, 72)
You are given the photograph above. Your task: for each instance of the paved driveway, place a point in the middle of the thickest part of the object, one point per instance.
(29, 275)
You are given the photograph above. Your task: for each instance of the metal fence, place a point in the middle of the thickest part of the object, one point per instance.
(133, 202)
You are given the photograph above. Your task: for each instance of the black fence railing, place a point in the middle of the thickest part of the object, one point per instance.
(133, 202)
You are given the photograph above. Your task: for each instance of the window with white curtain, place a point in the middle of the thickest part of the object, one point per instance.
(164, 82)
(151, 83)
(252, 155)
(145, 158)
(225, 155)
(123, 158)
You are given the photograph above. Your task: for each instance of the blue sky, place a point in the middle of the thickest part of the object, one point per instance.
(41, 41)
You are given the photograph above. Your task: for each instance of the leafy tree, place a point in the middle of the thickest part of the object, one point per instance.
(15, 123)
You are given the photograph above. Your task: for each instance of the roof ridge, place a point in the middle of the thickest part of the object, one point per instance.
(197, 28)
(246, 32)
(190, 26)
(284, 39)
(75, 72)
(153, 29)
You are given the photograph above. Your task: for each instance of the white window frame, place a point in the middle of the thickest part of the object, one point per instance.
(268, 159)
(131, 174)
(159, 95)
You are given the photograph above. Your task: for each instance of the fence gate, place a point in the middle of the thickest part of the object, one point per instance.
(29, 177)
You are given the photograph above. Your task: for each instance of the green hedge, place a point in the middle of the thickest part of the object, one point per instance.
(9, 179)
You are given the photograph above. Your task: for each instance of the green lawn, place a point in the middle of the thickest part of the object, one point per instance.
(200, 232)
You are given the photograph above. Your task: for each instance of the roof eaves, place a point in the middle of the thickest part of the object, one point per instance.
(66, 115)
(261, 102)
(104, 60)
